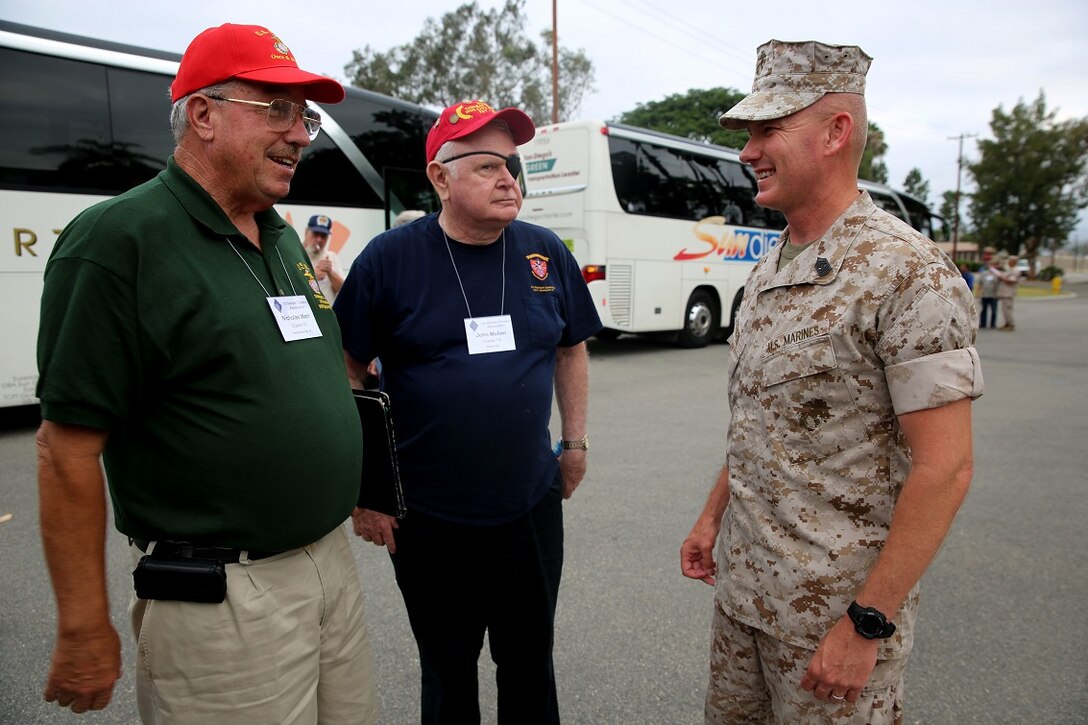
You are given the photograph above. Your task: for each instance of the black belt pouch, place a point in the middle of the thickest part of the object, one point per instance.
(181, 580)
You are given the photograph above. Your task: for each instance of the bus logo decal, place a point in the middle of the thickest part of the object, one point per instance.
(538, 167)
(731, 244)
(538, 263)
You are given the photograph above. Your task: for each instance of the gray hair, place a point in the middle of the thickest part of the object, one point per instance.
(408, 215)
(179, 120)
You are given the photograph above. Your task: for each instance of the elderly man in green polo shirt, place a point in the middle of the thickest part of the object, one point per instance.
(179, 337)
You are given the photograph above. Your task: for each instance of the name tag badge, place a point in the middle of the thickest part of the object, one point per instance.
(489, 334)
(293, 315)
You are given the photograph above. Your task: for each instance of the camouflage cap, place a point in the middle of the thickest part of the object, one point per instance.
(791, 76)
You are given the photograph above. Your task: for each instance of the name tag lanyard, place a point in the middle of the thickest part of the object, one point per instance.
(486, 334)
(292, 314)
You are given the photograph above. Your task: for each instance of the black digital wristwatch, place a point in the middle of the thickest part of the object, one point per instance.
(870, 622)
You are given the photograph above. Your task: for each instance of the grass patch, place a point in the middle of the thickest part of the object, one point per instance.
(1034, 289)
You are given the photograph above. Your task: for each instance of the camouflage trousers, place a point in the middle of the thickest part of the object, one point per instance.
(755, 678)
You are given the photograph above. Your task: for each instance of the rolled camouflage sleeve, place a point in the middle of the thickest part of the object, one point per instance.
(927, 346)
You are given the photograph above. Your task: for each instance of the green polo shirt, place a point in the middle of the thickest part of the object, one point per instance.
(156, 330)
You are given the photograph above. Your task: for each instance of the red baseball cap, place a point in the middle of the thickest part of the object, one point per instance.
(467, 117)
(250, 53)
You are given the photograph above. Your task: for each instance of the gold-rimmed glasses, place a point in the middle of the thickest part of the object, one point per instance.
(282, 114)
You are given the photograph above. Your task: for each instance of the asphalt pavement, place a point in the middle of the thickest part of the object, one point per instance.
(999, 638)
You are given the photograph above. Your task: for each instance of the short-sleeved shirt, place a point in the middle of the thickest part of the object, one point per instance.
(472, 429)
(988, 283)
(1006, 287)
(870, 322)
(325, 283)
(155, 329)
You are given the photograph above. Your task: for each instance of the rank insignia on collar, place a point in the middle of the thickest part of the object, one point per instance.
(823, 267)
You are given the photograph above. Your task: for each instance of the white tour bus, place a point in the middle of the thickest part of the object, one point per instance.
(665, 229)
(82, 120)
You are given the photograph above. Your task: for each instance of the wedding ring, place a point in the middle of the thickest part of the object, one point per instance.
(837, 697)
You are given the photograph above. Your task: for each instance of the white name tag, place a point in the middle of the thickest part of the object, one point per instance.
(489, 334)
(293, 315)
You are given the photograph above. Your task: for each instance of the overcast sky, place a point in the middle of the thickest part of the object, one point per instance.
(940, 66)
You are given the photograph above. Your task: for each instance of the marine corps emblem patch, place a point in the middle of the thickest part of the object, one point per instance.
(538, 263)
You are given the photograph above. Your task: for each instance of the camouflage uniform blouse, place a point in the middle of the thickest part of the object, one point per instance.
(869, 322)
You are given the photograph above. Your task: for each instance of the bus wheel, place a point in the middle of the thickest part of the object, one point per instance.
(700, 321)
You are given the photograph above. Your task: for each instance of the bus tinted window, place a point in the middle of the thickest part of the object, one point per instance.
(411, 188)
(740, 199)
(79, 127)
(325, 177)
(140, 116)
(920, 216)
(389, 137)
(54, 118)
(666, 182)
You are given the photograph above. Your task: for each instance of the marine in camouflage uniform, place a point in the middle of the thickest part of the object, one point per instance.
(834, 352)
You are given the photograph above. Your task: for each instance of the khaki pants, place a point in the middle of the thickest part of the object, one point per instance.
(755, 678)
(1006, 311)
(289, 645)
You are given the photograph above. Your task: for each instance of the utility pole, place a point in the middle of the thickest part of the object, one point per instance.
(959, 174)
(555, 61)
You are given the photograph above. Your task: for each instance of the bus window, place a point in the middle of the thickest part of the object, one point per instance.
(662, 181)
(740, 198)
(325, 177)
(921, 218)
(411, 188)
(140, 126)
(625, 174)
(388, 136)
(54, 117)
(668, 185)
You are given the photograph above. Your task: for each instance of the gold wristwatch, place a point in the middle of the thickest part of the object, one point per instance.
(581, 444)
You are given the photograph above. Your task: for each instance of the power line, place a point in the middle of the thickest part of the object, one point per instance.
(700, 34)
(659, 38)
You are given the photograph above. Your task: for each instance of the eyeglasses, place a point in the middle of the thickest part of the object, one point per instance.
(282, 114)
(513, 162)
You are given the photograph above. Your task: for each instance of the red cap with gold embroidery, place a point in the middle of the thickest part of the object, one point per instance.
(250, 53)
(461, 119)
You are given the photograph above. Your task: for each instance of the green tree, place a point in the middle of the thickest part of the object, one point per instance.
(1030, 178)
(873, 167)
(916, 185)
(693, 115)
(472, 53)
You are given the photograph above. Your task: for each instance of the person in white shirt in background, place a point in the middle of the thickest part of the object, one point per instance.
(327, 269)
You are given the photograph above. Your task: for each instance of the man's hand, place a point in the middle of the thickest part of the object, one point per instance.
(323, 268)
(375, 527)
(842, 665)
(572, 466)
(72, 516)
(85, 667)
(697, 554)
(697, 551)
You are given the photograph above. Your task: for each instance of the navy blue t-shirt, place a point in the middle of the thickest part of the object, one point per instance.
(472, 430)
